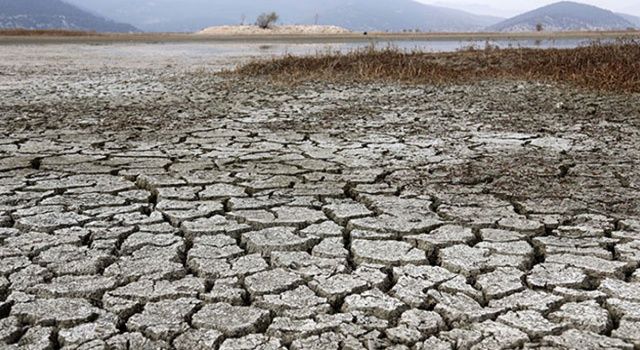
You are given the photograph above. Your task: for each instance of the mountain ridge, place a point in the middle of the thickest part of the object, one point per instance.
(564, 16)
(54, 14)
(357, 15)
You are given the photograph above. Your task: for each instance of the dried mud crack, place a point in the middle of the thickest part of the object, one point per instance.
(169, 208)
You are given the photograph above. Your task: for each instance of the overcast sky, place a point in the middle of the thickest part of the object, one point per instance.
(508, 8)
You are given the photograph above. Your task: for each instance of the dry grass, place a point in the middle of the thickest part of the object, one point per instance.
(606, 67)
(44, 32)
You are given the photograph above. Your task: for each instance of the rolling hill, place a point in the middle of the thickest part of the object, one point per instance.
(54, 14)
(564, 16)
(359, 15)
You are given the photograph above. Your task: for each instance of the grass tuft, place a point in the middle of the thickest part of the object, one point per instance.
(611, 67)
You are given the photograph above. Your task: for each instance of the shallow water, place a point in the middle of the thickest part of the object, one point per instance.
(214, 56)
(279, 48)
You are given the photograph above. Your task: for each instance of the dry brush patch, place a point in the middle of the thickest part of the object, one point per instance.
(611, 67)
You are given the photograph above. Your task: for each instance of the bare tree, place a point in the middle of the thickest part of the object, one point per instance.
(242, 19)
(266, 20)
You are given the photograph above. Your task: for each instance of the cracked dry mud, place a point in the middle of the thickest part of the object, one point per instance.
(155, 207)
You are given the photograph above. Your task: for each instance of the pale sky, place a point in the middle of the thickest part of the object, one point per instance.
(509, 8)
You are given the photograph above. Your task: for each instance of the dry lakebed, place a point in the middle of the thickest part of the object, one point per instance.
(147, 202)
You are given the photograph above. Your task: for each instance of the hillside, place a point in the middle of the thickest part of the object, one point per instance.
(564, 16)
(359, 15)
(635, 20)
(54, 14)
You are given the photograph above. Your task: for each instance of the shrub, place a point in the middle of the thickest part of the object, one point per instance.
(266, 20)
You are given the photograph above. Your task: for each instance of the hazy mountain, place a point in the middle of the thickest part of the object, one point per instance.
(54, 14)
(564, 16)
(193, 15)
(635, 20)
(395, 15)
(476, 6)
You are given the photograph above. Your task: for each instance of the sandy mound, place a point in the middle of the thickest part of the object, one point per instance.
(285, 29)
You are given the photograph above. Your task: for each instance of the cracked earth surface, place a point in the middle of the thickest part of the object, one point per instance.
(158, 206)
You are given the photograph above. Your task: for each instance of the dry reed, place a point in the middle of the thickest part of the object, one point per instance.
(598, 66)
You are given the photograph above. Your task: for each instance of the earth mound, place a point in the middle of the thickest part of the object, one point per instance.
(284, 29)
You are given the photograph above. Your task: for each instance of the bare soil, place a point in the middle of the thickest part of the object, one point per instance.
(158, 204)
